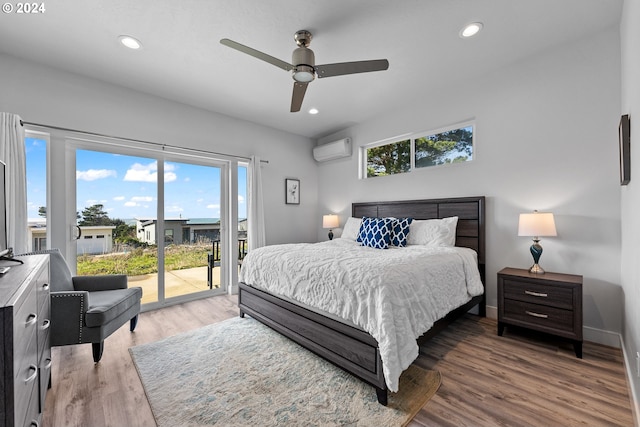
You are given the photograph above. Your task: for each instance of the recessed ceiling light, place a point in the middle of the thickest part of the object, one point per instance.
(313, 111)
(471, 30)
(130, 42)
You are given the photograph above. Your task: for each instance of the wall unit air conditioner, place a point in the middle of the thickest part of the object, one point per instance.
(332, 150)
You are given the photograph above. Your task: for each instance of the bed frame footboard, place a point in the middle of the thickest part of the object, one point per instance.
(347, 347)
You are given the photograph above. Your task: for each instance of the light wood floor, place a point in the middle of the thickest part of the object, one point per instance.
(514, 380)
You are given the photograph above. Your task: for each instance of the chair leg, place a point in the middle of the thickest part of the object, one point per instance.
(133, 323)
(98, 347)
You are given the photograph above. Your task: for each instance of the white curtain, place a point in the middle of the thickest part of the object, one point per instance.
(255, 215)
(12, 153)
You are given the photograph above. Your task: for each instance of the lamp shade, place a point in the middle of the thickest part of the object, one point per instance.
(330, 221)
(537, 224)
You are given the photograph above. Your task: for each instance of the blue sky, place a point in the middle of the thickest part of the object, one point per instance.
(127, 185)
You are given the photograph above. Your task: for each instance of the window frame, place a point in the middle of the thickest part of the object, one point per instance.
(363, 160)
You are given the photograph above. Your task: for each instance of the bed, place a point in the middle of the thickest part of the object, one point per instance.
(341, 342)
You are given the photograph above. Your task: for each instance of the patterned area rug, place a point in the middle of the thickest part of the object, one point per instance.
(242, 373)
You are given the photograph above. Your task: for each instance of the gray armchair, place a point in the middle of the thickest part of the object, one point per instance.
(87, 309)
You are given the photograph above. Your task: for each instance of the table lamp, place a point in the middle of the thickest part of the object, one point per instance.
(536, 225)
(330, 221)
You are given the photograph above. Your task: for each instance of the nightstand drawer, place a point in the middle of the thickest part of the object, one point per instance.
(553, 296)
(544, 317)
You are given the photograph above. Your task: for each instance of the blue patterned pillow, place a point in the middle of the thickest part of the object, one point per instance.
(400, 231)
(375, 232)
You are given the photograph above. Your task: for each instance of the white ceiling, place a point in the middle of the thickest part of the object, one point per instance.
(182, 58)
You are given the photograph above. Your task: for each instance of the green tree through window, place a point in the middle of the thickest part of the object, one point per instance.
(446, 147)
(389, 159)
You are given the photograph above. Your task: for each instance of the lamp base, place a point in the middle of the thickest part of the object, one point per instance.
(536, 269)
(536, 252)
(330, 234)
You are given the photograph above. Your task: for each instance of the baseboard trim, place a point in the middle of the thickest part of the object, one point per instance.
(628, 367)
(492, 312)
(600, 336)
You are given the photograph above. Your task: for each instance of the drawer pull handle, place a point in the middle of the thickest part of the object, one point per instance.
(45, 286)
(34, 423)
(48, 364)
(536, 294)
(46, 324)
(32, 376)
(542, 316)
(33, 318)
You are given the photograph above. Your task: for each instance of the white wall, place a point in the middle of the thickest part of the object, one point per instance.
(630, 40)
(546, 134)
(48, 96)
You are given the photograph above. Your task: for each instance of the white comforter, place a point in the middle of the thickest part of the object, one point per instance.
(395, 295)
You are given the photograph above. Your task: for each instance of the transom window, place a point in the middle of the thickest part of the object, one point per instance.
(421, 150)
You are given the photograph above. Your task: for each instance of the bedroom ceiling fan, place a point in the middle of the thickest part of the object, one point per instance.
(303, 67)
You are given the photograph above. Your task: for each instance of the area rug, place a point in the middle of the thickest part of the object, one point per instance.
(242, 373)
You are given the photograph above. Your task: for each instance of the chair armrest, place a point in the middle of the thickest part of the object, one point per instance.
(100, 283)
(67, 316)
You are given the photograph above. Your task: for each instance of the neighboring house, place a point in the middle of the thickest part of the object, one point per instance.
(179, 230)
(93, 240)
(37, 234)
(146, 230)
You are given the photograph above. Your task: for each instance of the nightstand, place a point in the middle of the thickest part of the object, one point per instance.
(550, 302)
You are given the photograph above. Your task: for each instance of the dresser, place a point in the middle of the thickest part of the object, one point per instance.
(25, 356)
(549, 302)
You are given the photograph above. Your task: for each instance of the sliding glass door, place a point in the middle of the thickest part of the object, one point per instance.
(193, 211)
(160, 221)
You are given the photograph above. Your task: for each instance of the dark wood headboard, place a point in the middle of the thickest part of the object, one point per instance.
(469, 210)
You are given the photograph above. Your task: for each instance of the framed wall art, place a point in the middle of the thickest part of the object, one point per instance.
(292, 191)
(624, 137)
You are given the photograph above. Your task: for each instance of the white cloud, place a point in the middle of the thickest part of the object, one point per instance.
(94, 174)
(149, 173)
(213, 206)
(240, 198)
(130, 204)
(118, 198)
(142, 199)
(143, 173)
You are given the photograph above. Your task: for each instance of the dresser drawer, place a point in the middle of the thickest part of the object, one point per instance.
(44, 327)
(25, 324)
(550, 295)
(44, 375)
(42, 287)
(25, 383)
(545, 318)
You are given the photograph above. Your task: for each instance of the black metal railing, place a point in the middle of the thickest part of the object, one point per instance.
(213, 258)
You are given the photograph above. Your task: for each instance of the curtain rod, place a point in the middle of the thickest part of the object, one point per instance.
(162, 146)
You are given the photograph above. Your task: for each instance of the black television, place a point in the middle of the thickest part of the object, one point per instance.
(4, 245)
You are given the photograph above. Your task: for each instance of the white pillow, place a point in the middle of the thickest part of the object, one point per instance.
(351, 228)
(433, 232)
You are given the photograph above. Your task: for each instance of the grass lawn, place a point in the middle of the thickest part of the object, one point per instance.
(144, 261)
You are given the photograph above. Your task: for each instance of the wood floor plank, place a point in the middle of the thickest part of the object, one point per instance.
(519, 379)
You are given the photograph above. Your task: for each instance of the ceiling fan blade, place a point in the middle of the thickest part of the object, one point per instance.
(257, 54)
(342, 68)
(299, 90)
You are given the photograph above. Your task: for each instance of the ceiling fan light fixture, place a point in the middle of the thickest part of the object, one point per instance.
(313, 111)
(304, 74)
(130, 42)
(471, 30)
